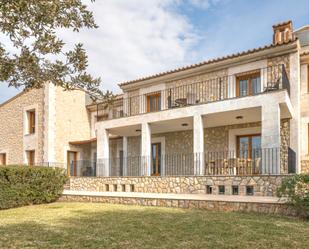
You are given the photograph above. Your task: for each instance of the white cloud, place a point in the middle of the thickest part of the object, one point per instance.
(135, 38)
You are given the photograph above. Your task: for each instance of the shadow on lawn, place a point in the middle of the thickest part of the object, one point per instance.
(155, 228)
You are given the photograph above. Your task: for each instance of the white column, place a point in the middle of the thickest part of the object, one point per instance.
(198, 144)
(125, 155)
(295, 94)
(103, 152)
(271, 138)
(146, 149)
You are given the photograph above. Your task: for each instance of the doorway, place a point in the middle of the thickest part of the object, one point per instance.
(72, 163)
(156, 159)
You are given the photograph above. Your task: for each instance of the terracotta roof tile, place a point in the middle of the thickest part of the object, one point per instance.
(231, 56)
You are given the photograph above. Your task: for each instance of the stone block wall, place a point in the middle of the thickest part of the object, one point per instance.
(262, 185)
(305, 166)
(226, 206)
(12, 126)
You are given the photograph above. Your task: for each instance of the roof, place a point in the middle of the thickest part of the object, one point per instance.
(304, 53)
(301, 29)
(231, 56)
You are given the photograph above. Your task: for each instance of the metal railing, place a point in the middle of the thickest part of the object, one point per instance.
(261, 161)
(216, 89)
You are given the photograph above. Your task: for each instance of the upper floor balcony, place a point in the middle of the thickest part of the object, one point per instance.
(252, 83)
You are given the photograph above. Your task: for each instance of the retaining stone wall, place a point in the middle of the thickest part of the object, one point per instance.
(263, 185)
(267, 208)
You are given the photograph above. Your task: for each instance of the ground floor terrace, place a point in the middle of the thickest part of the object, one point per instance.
(248, 141)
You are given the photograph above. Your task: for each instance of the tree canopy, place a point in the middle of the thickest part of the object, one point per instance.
(31, 53)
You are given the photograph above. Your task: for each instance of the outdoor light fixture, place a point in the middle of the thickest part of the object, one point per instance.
(239, 117)
(184, 124)
(138, 130)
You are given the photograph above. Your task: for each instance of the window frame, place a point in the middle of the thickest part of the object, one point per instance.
(31, 157)
(250, 136)
(157, 95)
(247, 76)
(3, 159)
(31, 121)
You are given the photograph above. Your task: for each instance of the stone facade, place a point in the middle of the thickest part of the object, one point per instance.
(72, 122)
(12, 127)
(266, 208)
(61, 117)
(305, 166)
(262, 185)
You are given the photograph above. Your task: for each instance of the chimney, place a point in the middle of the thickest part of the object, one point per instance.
(283, 32)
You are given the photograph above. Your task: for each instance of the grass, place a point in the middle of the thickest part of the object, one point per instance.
(90, 225)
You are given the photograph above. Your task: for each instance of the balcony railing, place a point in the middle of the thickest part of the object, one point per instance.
(216, 89)
(266, 161)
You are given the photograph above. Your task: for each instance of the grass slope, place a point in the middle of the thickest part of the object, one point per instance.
(90, 225)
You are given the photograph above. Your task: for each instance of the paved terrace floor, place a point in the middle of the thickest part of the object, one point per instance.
(198, 197)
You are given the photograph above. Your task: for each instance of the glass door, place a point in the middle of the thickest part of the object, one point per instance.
(156, 159)
(249, 153)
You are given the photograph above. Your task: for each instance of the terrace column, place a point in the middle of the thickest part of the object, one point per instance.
(270, 138)
(103, 152)
(125, 155)
(198, 144)
(146, 149)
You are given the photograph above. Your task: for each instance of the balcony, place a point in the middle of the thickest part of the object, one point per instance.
(251, 83)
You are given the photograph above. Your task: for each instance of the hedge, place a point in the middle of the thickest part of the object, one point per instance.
(296, 189)
(23, 185)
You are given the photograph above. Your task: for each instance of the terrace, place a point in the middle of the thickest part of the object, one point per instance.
(252, 83)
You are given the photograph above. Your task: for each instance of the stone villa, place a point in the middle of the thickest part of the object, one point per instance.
(234, 124)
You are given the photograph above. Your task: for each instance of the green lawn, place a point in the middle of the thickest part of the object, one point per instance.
(89, 225)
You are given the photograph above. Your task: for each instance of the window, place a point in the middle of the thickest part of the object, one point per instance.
(31, 122)
(31, 157)
(154, 102)
(221, 189)
(249, 146)
(2, 159)
(248, 84)
(249, 190)
(209, 189)
(235, 190)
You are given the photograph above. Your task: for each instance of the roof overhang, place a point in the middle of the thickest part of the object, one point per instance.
(234, 60)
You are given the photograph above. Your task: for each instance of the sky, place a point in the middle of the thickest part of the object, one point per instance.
(138, 38)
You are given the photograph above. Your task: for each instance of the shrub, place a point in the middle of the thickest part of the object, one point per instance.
(21, 185)
(296, 189)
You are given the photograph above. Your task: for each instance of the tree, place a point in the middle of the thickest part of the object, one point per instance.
(37, 55)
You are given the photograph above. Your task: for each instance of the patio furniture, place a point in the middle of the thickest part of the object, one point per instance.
(181, 101)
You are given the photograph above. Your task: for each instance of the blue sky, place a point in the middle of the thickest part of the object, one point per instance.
(138, 38)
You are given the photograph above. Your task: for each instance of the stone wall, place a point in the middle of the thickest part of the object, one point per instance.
(262, 185)
(12, 126)
(305, 166)
(284, 59)
(266, 208)
(72, 121)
